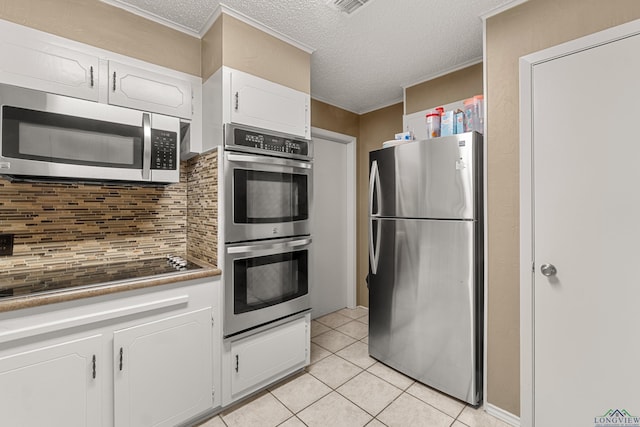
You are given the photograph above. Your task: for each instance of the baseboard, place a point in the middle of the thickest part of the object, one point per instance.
(502, 415)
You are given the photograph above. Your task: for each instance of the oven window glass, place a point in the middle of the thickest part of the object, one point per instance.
(269, 280)
(269, 197)
(37, 135)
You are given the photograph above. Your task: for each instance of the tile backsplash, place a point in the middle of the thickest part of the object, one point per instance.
(202, 207)
(59, 225)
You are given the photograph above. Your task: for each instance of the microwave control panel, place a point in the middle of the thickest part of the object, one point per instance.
(164, 148)
(266, 142)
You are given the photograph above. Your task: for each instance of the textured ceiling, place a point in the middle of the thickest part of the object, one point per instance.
(361, 61)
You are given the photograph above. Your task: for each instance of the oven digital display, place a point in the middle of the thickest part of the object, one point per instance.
(274, 143)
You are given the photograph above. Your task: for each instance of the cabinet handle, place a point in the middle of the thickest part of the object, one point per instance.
(237, 100)
(237, 362)
(114, 81)
(121, 358)
(94, 366)
(91, 76)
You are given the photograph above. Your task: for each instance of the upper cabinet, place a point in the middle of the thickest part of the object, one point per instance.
(144, 90)
(48, 63)
(232, 96)
(50, 68)
(264, 104)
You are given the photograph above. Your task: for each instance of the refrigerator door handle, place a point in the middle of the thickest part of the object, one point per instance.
(374, 251)
(374, 185)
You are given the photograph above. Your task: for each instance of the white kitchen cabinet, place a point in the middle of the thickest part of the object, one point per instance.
(264, 104)
(232, 96)
(55, 384)
(171, 350)
(145, 90)
(48, 67)
(163, 370)
(260, 359)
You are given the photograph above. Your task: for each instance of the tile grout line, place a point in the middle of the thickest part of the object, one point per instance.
(366, 370)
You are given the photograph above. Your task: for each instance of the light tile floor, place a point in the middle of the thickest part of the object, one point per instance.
(343, 386)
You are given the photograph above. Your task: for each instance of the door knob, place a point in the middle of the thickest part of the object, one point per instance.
(548, 270)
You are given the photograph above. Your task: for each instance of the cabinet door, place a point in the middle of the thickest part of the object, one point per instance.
(267, 356)
(56, 385)
(50, 68)
(144, 90)
(264, 104)
(163, 370)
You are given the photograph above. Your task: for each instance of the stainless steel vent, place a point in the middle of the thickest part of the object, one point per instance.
(347, 6)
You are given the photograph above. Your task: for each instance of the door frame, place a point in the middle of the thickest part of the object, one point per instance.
(350, 141)
(527, 242)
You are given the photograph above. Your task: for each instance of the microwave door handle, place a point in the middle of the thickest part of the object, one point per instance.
(146, 146)
(267, 161)
(249, 249)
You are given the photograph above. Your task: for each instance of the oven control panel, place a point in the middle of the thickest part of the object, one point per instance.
(272, 143)
(163, 149)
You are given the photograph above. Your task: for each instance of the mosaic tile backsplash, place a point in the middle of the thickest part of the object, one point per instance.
(202, 207)
(61, 225)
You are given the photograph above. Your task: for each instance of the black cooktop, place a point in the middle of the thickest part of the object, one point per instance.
(31, 282)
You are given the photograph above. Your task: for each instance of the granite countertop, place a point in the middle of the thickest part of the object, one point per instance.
(40, 287)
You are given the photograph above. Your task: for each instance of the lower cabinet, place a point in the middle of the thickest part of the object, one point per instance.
(146, 359)
(259, 359)
(55, 385)
(163, 370)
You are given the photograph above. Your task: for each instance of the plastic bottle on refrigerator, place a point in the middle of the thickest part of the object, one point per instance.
(432, 120)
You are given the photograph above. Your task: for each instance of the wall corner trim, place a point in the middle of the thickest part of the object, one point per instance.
(222, 8)
(502, 415)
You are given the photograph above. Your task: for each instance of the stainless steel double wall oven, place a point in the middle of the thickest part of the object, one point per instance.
(268, 180)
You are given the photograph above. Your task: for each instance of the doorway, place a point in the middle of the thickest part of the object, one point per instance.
(333, 270)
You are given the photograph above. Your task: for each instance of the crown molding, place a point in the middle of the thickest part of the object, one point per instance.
(152, 17)
(453, 69)
(498, 10)
(222, 8)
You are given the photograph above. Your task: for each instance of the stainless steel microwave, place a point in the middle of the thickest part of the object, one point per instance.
(52, 136)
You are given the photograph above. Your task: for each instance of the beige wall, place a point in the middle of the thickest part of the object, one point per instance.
(212, 50)
(248, 49)
(238, 45)
(375, 128)
(99, 24)
(335, 119)
(530, 27)
(452, 87)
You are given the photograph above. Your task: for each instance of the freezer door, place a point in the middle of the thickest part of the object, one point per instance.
(435, 178)
(424, 304)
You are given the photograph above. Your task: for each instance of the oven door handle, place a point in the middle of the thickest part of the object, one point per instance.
(249, 249)
(268, 161)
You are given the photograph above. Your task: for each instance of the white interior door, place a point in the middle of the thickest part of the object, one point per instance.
(330, 269)
(585, 218)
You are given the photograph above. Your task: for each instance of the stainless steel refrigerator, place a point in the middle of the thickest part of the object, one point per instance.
(426, 262)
